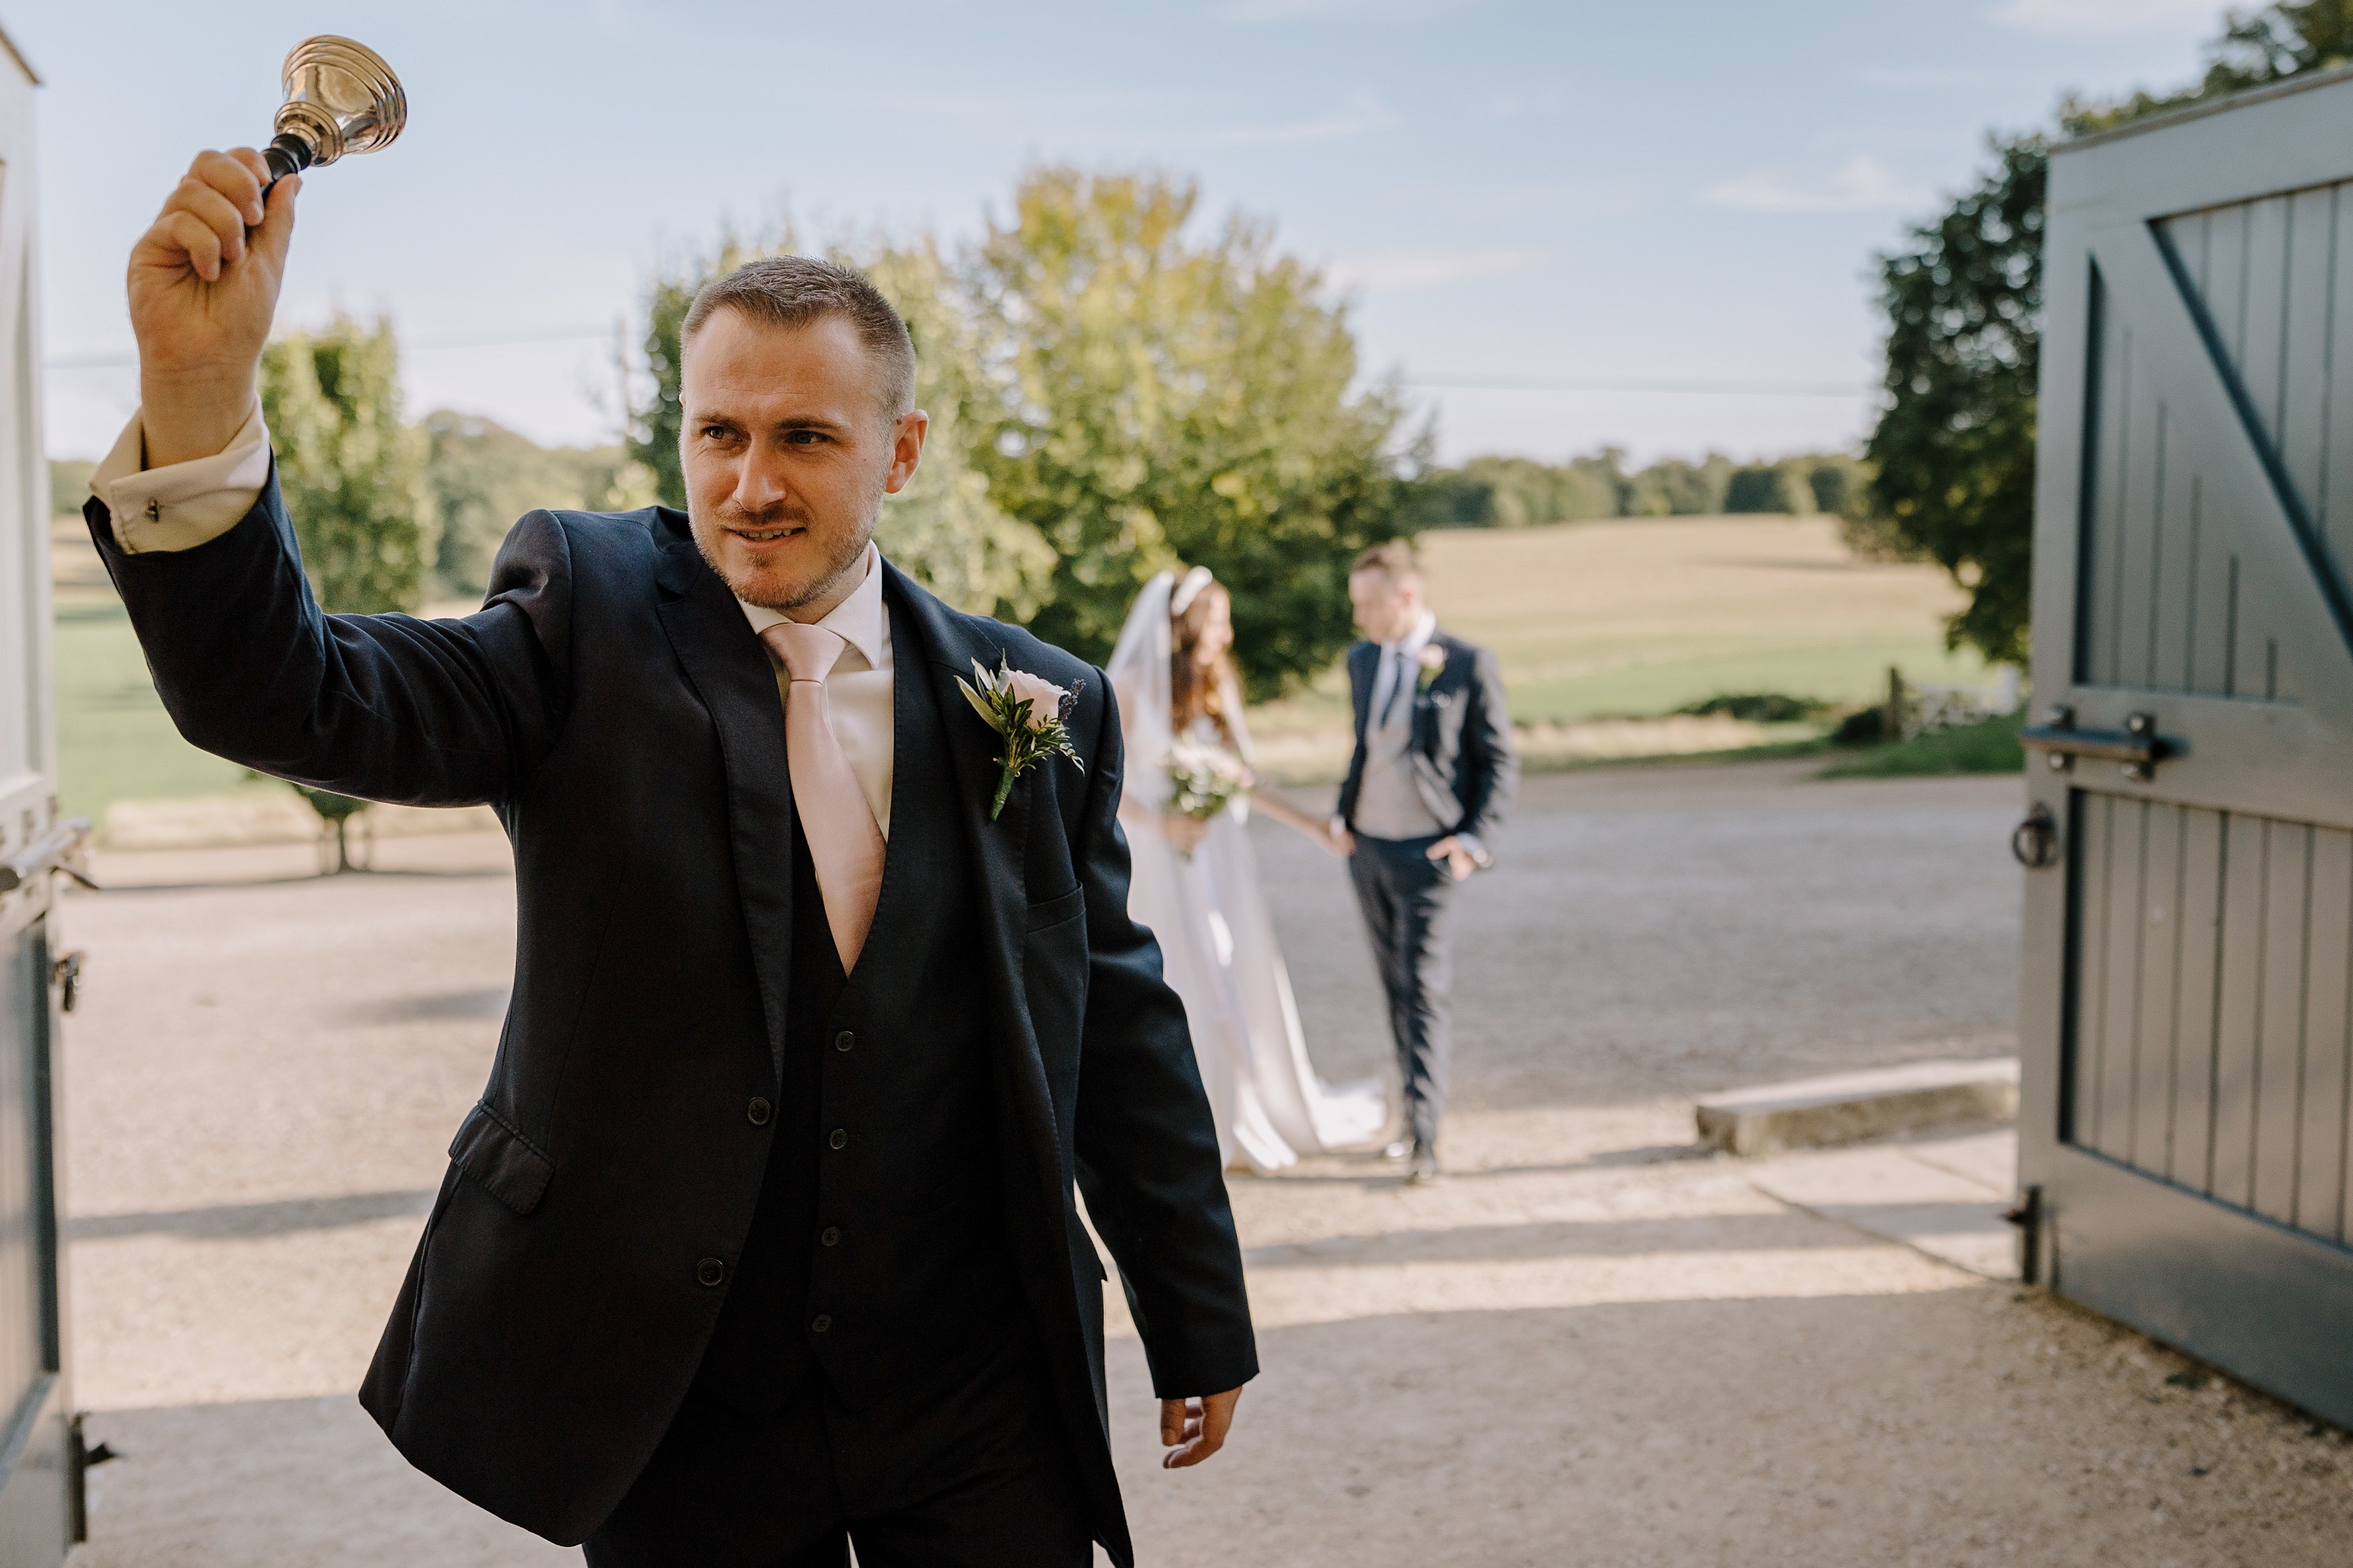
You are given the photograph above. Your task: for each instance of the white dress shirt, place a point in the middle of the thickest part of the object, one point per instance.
(1410, 646)
(183, 505)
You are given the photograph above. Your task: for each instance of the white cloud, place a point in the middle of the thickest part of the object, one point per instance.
(2098, 18)
(1393, 271)
(1264, 11)
(1861, 183)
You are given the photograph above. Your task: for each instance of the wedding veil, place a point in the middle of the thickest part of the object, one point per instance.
(1139, 673)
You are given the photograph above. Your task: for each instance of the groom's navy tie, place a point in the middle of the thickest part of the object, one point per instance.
(1397, 686)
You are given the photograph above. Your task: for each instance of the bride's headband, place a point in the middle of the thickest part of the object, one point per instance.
(1187, 590)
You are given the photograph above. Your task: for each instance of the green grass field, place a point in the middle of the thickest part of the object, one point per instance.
(1595, 618)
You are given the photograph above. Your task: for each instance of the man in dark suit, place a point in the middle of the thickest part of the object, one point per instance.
(763, 1238)
(1432, 774)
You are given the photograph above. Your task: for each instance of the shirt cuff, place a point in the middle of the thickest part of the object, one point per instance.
(181, 505)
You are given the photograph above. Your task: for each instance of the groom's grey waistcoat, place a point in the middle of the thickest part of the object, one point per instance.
(884, 1259)
(612, 703)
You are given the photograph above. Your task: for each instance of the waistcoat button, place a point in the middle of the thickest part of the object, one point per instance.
(710, 1271)
(841, 1138)
(759, 1110)
(829, 1237)
(845, 1041)
(819, 1323)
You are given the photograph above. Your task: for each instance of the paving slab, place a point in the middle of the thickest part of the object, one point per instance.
(1943, 1198)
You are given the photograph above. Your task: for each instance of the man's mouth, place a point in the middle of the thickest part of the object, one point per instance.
(766, 535)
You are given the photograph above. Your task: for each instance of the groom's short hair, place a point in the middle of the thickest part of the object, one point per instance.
(1393, 559)
(796, 291)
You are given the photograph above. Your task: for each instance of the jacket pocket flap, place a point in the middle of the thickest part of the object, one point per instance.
(502, 1160)
(1054, 911)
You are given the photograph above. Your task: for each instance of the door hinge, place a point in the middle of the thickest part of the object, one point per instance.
(2028, 1217)
(65, 973)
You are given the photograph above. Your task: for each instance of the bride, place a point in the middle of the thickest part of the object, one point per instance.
(1195, 881)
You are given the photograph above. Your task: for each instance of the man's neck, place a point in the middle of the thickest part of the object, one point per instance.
(836, 593)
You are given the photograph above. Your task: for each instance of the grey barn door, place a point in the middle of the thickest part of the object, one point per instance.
(39, 1487)
(2187, 1026)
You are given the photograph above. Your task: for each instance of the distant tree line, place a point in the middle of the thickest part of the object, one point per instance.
(1519, 492)
(1953, 456)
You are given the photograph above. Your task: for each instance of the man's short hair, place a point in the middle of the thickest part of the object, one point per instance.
(796, 291)
(1393, 559)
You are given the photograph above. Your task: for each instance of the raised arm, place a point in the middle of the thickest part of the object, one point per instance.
(387, 707)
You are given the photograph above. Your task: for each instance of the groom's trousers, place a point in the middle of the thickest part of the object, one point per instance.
(969, 1469)
(1407, 900)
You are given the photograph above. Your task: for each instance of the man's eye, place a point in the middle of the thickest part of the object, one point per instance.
(806, 437)
(714, 432)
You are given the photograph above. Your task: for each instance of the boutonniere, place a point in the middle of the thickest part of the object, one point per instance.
(1028, 711)
(1433, 660)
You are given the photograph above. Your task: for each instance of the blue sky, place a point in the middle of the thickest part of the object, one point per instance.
(1520, 198)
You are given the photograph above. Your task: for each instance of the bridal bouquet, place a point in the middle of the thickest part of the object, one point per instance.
(1204, 780)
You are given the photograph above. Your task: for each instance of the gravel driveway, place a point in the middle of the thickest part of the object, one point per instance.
(1588, 1346)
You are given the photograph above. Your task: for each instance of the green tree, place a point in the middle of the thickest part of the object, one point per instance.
(1163, 400)
(352, 473)
(1954, 449)
(481, 477)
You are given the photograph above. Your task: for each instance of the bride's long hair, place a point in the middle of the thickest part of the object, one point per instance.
(1202, 687)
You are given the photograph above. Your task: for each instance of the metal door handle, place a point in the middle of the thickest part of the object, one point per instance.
(2137, 745)
(2034, 843)
(53, 853)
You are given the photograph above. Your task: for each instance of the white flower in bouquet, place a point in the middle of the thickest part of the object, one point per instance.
(1204, 780)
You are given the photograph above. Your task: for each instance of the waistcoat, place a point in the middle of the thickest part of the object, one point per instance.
(878, 1251)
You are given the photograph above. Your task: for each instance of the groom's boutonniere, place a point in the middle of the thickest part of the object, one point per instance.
(1433, 660)
(1028, 711)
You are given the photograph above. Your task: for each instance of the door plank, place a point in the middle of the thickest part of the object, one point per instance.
(2126, 851)
(2263, 347)
(2328, 979)
(2155, 1010)
(2190, 1157)
(2279, 1033)
(2238, 1013)
(2333, 504)
(2304, 374)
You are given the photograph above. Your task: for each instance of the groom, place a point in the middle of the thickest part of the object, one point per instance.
(1432, 772)
(762, 1239)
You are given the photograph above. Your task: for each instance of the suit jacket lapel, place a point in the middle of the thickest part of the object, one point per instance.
(1001, 848)
(1364, 667)
(731, 674)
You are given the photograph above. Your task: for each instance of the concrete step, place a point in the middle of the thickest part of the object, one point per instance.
(1847, 1107)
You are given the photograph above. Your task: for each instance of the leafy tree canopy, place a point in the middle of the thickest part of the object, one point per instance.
(480, 475)
(352, 473)
(1954, 449)
(1162, 399)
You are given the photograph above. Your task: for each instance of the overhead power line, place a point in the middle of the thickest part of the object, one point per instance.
(122, 358)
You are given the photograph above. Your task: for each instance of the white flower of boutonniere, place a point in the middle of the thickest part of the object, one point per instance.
(1028, 711)
(1433, 660)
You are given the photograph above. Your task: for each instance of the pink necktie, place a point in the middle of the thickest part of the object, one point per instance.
(843, 842)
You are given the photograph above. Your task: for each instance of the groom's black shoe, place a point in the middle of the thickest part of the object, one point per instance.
(1421, 1166)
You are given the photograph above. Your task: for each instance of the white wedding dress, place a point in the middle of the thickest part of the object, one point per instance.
(1216, 938)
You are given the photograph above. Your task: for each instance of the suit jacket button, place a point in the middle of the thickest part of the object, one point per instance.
(829, 1237)
(845, 1041)
(841, 1138)
(710, 1271)
(759, 1110)
(819, 1323)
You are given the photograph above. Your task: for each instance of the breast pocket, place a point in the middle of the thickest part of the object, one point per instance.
(1051, 912)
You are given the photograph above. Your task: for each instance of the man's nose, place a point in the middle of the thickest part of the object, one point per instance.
(759, 484)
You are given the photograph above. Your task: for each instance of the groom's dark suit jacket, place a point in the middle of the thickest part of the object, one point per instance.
(1463, 765)
(611, 701)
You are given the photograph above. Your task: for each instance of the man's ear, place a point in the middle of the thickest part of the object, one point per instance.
(906, 450)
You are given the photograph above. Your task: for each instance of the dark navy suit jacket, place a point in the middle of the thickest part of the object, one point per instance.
(613, 705)
(1463, 765)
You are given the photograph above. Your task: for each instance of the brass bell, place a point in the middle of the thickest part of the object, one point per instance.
(340, 98)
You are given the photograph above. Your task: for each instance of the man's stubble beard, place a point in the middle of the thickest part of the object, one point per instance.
(752, 593)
